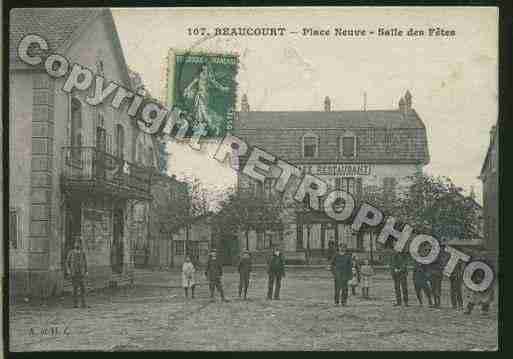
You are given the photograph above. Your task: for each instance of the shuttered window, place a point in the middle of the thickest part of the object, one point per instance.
(389, 187)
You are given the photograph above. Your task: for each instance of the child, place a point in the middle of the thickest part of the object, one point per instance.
(354, 280)
(244, 271)
(421, 283)
(366, 273)
(188, 271)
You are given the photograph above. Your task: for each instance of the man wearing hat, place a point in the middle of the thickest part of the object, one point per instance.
(244, 272)
(214, 273)
(276, 271)
(341, 267)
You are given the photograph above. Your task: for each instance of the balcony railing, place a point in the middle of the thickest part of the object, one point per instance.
(98, 168)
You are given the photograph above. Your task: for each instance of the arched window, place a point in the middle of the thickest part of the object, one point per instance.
(310, 145)
(348, 145)
(120, 141)
(76, 123)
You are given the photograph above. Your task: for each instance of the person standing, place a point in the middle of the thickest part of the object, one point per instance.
(456, 280)
(366, 273)
(399, 267)
(244, 272)
(484, 298)
(355, 279)
(188, 280)
(341, 267)
(276, 271)
(214, 273)
(435, 279)
(421, 283)
(76, 266)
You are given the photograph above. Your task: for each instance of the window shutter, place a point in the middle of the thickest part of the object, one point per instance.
(359, 187)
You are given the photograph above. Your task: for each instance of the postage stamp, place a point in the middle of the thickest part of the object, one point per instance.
(248, 179)
(204, 86)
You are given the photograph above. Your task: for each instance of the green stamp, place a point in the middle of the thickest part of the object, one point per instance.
(204, 86)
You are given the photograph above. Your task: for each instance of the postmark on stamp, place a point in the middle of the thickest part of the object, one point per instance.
(204, 86)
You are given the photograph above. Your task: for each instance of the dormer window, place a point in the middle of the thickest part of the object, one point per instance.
(348, 145)
(310, 145)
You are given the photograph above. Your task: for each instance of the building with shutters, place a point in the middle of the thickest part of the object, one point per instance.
(354, 151)
(490, 179)
(77, 172)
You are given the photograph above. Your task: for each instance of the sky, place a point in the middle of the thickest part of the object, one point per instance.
(453, 80)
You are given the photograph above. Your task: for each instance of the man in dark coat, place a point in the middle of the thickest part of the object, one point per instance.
(456, 279)
(421, 283)
(399, 268)
(436, 275)
(341, 267)
(244, 272)
(276, 271)
(76, 266)
(214, 273)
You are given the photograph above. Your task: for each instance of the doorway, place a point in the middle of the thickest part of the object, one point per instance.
(117, 249)
(72, 226)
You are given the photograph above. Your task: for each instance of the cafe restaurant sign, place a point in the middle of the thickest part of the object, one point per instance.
(338, 170)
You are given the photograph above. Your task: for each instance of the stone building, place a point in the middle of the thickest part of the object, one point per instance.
(77, 172)
(354, 151)
(490, 178)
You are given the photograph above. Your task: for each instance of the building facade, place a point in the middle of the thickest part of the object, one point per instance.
(77, 172)
(356, 151)
(490, 179)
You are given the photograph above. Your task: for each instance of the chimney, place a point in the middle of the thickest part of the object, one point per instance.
(407, 100)
(244, 104)
(402, 106)
(327, 104)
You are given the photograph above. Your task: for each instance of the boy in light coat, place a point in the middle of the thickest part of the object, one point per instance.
(188, 274)
(366, 273)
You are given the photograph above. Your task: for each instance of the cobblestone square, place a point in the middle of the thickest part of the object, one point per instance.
(154, 315)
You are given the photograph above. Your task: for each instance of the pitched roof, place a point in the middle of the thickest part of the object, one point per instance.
(384, 136)
(327, 119)
(56, 25)
(59, 27)
(493, 140)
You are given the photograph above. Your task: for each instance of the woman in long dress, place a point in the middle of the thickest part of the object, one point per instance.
(198, 90)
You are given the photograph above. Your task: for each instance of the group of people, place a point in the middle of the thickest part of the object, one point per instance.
(345, 267)
(427, 281)
(349, 273)
(214, 272)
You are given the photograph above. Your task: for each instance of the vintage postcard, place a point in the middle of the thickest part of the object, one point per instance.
(248, 179)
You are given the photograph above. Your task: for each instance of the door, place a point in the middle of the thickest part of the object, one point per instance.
(117, 248)
(73, 226)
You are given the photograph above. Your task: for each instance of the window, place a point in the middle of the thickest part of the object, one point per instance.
(268, 187)
(264, 240)
(139, 153)
(120, 141)
(389, 185)
(76, 123)
(258, 189)
(349, 184)
(14, 229)
(75, 139)
(179, 248)
(149, 156)
(348, 145)
(260, 241)
(310, 144)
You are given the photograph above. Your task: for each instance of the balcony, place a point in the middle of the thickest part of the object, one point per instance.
(89, 171)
